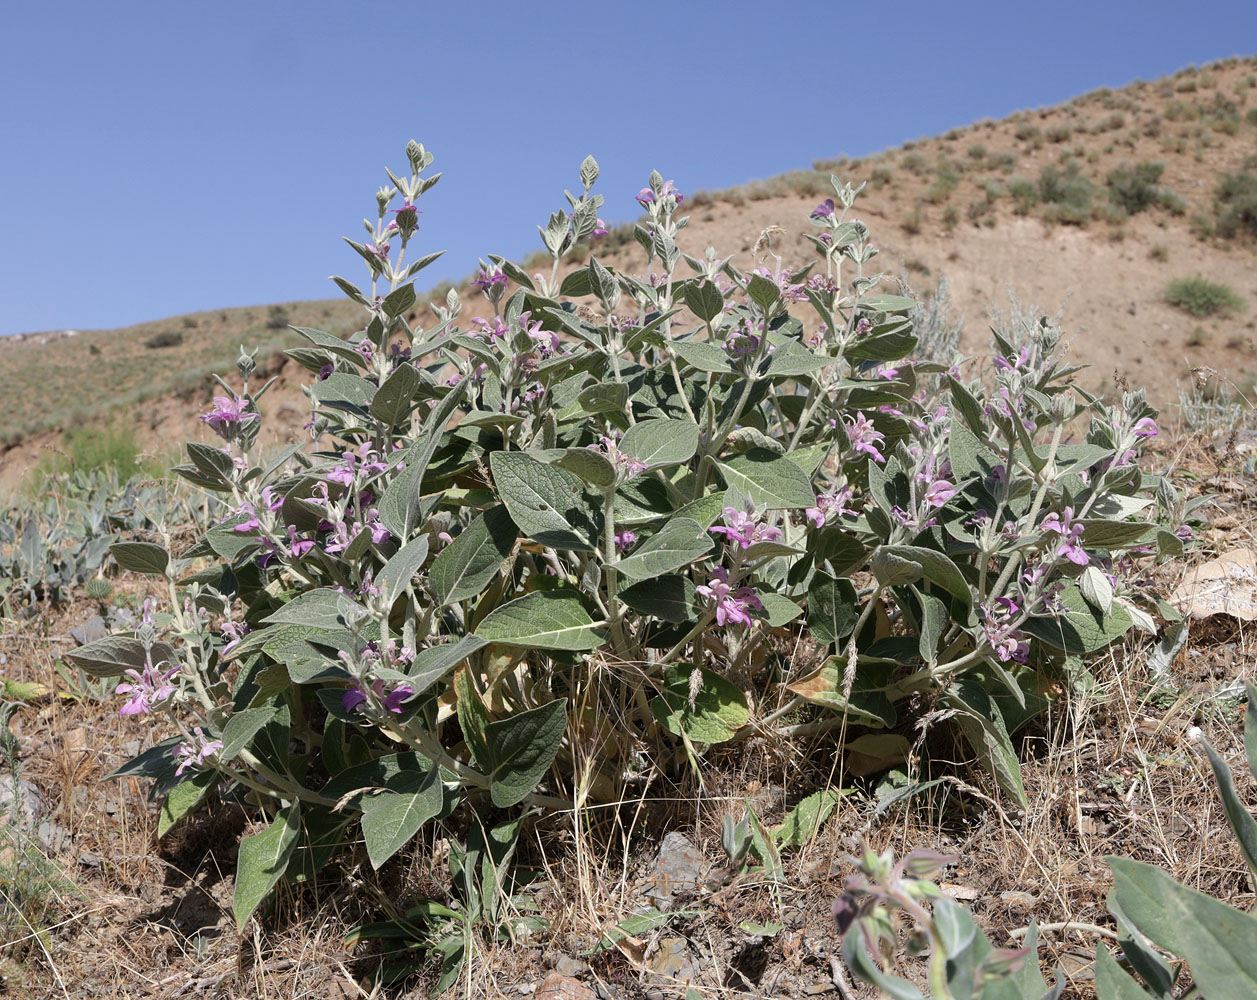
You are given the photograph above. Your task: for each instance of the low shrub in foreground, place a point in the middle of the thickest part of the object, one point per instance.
(550, 557)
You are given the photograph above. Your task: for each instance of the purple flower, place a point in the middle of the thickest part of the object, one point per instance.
(487, 279)
(939, 493)
(297, 547)
(1185, 532)
(393, 703)
(1069, 546)
(228, 416)
(609, 445)
(824, 210)
(355, 696)
(352, 698)
(1145, 427)
(234, 633)
(251, 520)
(147, 689)
(625, 540)
(646, 196)
(600, 229)
(731, 605)
(1007, 643)
(830, 504)
(864, 436)
(195, 753)
(744, 528)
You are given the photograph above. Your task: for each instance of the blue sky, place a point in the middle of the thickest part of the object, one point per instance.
(166, 157)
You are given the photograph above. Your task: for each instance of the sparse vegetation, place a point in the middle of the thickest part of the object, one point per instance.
(1200, 297)
(1065, 194)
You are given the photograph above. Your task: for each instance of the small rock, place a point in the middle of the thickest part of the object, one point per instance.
(680, 867)
(565, 965)
(671, 959)
(89, 860)
(54, 837)
(560, 987)
(91, 630)
(604, 991)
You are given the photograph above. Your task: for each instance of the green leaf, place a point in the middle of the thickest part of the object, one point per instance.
(668, 598)
(391, 818)
(935, 567)
(635, 926)
(242, 727)
(399, 300)
(320, 608)
(466, 565)
(868, 704)
(1113, 534)
(1216, 940)
(518, 751)
(1241, 819)
(433, 663)
(763, 292)
(141, 557)
(678, 543)
(547, 503)
(393, 399)
(802, 822)
(183, 798)
(401, 568)
(1250, 728)
(704, 300)
(884, 346)
(545, 619)
(262, 860)
(604, 397)
(772, 482)
(718, 708)
(592, 466)
(703, 356)
(1111, 982)
(115, 654)
(213, 462)
(778, 609)
(1079, 628)
(832, 608)
(886, 303)
(661, 442)
(979, 718)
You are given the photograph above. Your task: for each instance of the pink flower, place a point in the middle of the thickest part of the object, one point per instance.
(1069, 546)
(234, 633)
(731, 605)
(830, 504)
(228, 416)
(1145, 427)
(939, 493)
(297, 547)
(864, 436)
(195, 753)
(625, 540)
(146, 690)
(744, 528)
(824, 210)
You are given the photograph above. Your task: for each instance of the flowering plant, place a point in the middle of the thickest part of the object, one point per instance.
(530, 556)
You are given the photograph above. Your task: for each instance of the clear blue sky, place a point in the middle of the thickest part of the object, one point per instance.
(160, 158)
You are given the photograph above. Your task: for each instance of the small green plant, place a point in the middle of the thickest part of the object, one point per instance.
(1134, 188)
(1200, 297)
(1024, 193)
(1237, 204)
(1065, 194)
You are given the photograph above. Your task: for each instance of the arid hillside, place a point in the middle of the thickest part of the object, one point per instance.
(1093, 207)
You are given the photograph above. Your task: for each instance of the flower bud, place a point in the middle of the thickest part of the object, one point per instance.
(245, 364)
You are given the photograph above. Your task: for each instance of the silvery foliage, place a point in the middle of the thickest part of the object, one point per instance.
(540, 556)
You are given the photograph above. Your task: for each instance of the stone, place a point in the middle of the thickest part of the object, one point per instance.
(560, 987)
(671, 959)
(91, 630)
(679, 868)
(565, 965)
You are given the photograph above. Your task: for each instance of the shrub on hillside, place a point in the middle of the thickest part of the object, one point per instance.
(548, 557)
(1201, 297)
(1066, 194)
(1237, 204)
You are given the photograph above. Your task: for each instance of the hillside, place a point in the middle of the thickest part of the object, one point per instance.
(1092, 206)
